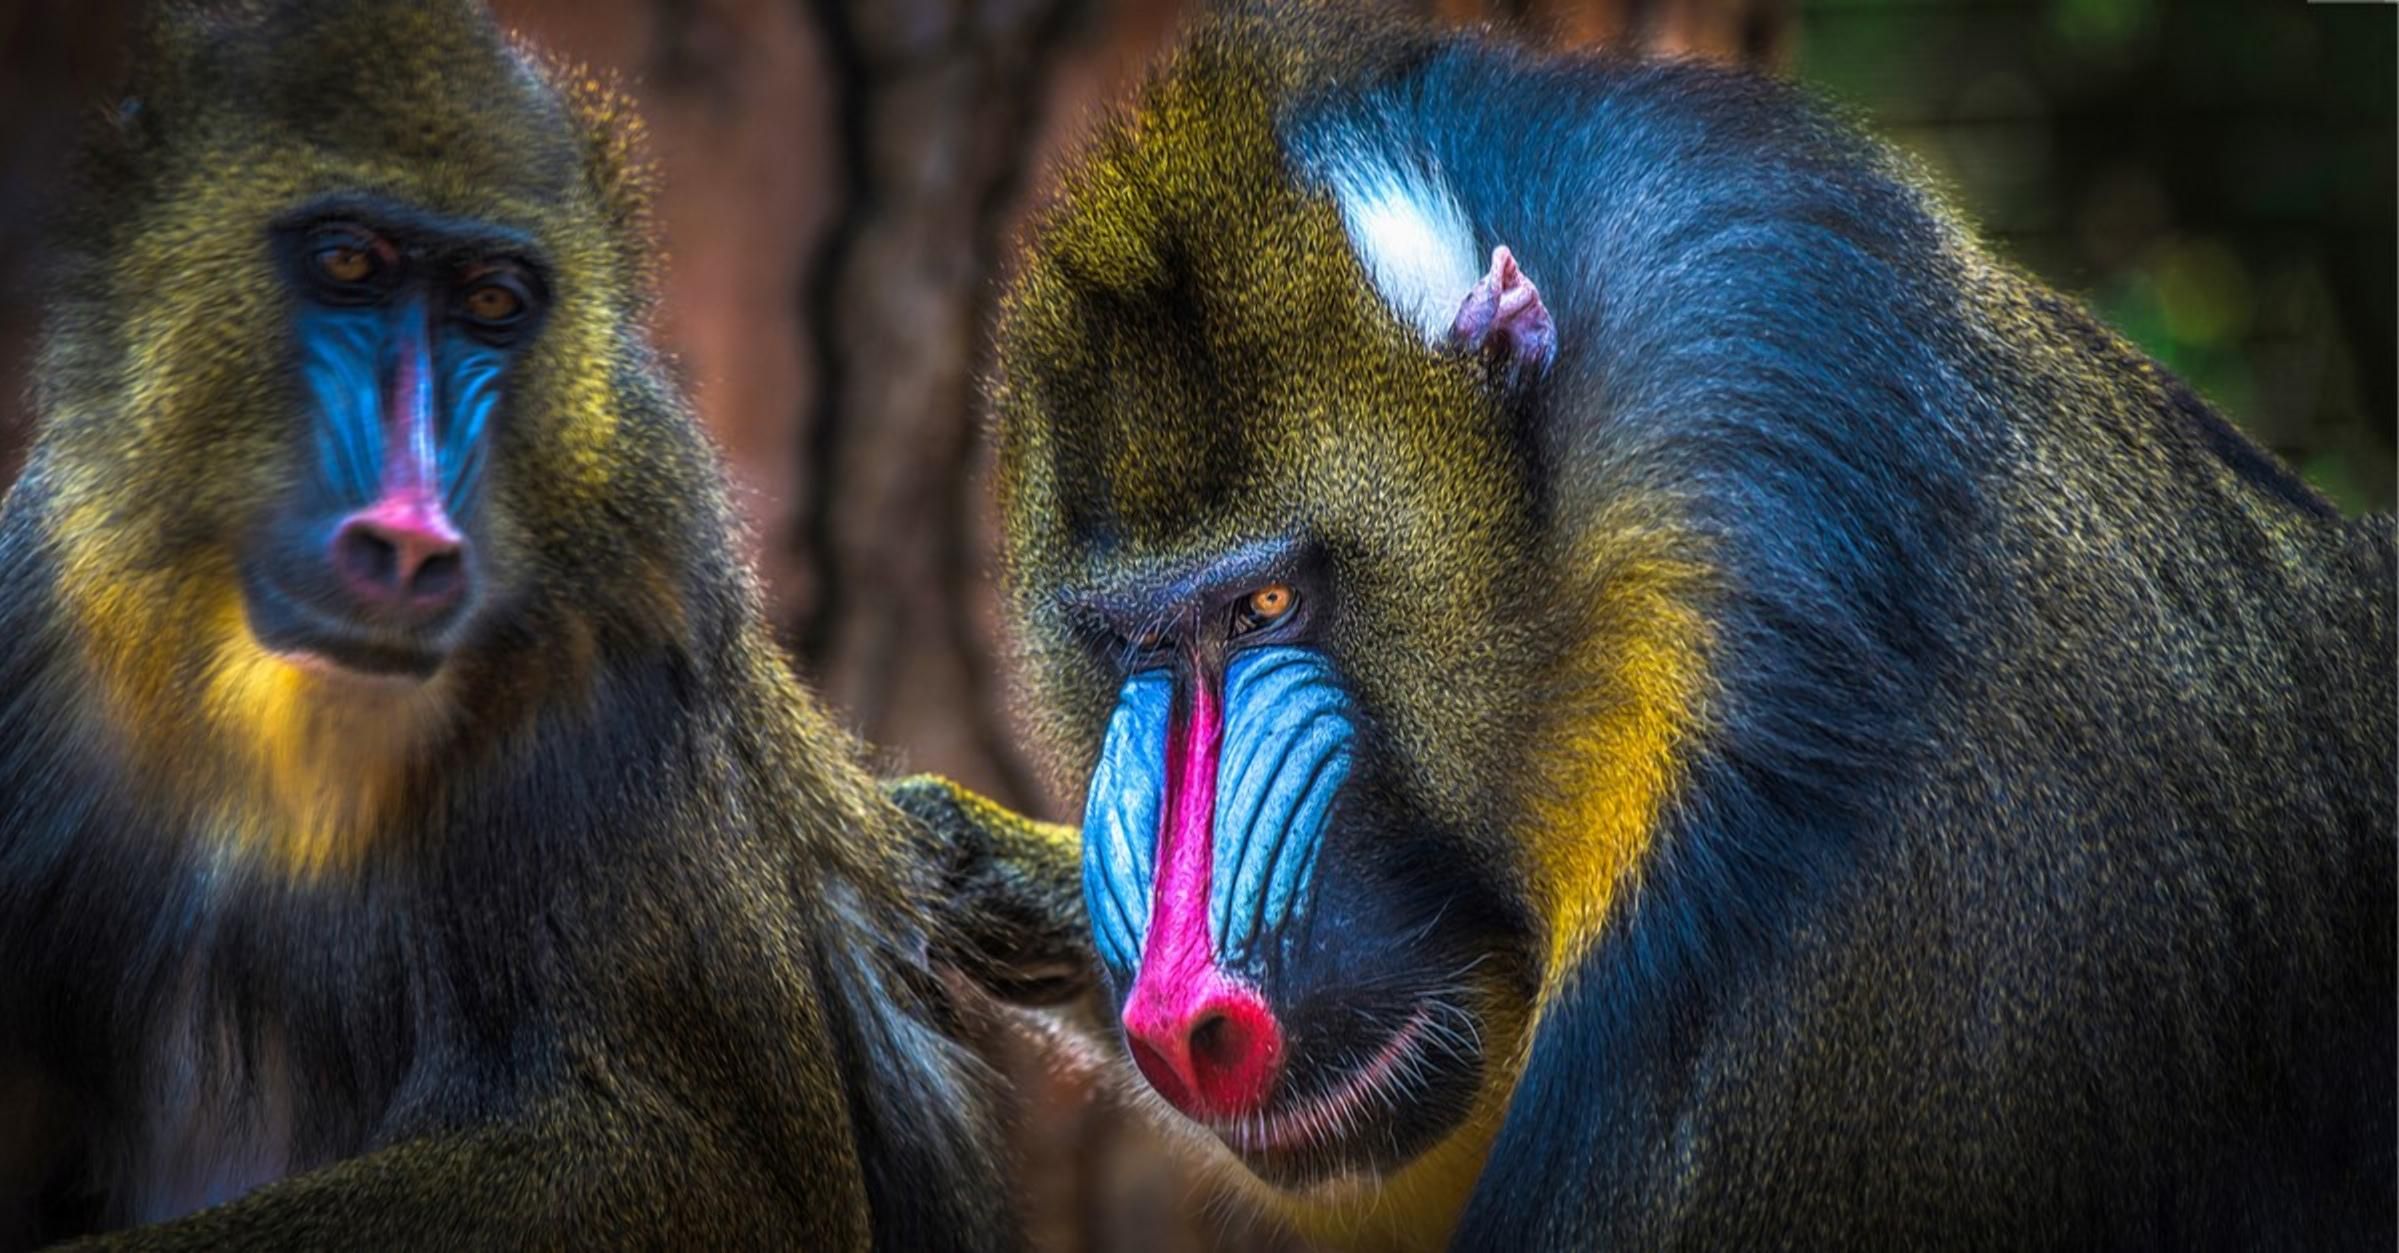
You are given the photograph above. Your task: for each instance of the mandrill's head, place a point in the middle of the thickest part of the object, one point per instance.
(333, 448)
(1271, 456)
(1250, 515)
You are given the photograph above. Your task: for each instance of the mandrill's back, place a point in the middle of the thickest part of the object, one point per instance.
(2035, 879)
(2162, 852)
(2113, 951)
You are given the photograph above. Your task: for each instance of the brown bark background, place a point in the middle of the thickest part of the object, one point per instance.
(842, 181)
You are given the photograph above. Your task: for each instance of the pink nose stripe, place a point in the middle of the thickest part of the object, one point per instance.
(1207, 1042)
(409, 514)
(411, 511)
(1175, 954)
(410, 461)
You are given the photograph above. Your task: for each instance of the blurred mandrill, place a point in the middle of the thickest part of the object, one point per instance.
(1641, 690)
(409, 834)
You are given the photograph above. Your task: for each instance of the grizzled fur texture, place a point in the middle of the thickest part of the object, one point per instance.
(597, 938)
(1944, 771)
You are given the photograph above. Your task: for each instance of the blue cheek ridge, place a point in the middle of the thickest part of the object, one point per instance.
(1288, 746)
(1120, 820)
(341, 362)
(470, 374)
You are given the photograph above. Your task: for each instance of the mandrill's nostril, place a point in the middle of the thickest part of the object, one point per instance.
(366, 557)
(404, 560)
(1168, 1074)
(1218, 1059)
(442, 575)
(1214, 1040)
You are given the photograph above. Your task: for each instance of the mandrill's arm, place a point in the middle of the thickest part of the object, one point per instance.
(1012, 892)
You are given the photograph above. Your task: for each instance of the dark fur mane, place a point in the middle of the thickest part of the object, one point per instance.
(1918, 477)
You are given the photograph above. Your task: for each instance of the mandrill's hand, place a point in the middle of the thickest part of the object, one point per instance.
(1010, 893)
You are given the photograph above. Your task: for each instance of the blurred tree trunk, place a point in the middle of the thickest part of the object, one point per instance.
(1757, 32)
(934, 112)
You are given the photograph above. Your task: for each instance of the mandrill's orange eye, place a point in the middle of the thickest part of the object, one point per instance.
(493, 303)
(498, 300)
(349, 265)
(1265, 607)
(344, 264)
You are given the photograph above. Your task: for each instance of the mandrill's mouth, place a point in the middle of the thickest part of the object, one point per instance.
(1316, 1122)
(1371, 1116)
(381, 591)
(316, 638)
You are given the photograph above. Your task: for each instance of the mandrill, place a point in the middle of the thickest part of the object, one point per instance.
(409, 833)
(1641, 690)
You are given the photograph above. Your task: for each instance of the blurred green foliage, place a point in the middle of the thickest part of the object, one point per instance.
(2219, 179)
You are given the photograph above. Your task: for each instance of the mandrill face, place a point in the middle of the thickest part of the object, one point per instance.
(1297, 965)
(410, 327)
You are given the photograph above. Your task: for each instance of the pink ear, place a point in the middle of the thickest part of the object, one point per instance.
(1504, 315)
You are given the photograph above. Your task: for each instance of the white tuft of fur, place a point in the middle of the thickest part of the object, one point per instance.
(1411, 236)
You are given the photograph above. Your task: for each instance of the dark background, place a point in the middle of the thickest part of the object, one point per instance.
(842, 183)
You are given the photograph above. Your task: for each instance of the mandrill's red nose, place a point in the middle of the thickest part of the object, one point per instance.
(402, 556)
(1212, 1053)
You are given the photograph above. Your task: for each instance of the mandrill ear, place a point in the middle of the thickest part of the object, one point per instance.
(1417, 246)
(1503, 320)
(1011, 893)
